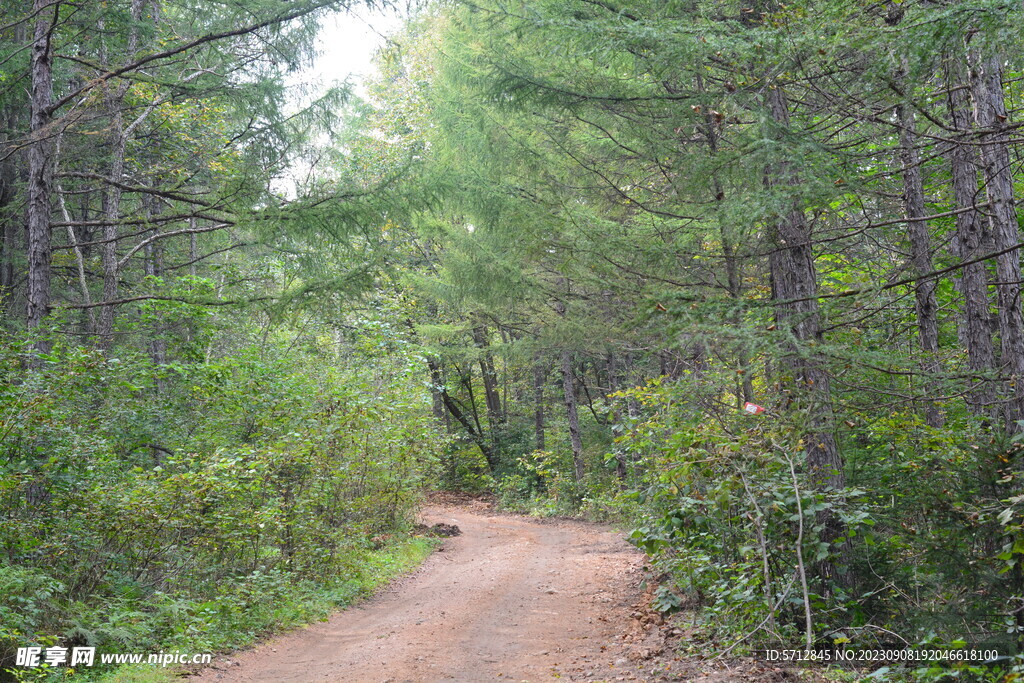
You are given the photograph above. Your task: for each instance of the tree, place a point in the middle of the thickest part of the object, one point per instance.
(109, 83)
(775, 204)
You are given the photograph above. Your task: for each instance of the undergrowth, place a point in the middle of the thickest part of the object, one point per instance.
(196, 506)
(253, 608)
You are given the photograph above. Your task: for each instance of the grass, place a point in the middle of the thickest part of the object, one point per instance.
(241, 619)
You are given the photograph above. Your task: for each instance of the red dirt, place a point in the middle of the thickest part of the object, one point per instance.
(512, 598)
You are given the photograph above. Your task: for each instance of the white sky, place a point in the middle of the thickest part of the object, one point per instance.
(346, 46)
(347, 43)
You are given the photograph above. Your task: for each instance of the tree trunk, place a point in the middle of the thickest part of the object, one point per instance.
(83, 283)
(466, 380)
(40, 166)
(572, 414)
(437, 406)
(632, 404)
(921, 258)
(10, 226)
(437, 385)
(615, 417)
(794, 290)
(112, 197)
(991, 118)
(10, 247)
(193, 248)
(154, 266)
(540, 374)
(569, 396)
(111, 215)
(745, 388)
(971, 241)
(490, 377)
(10, 218)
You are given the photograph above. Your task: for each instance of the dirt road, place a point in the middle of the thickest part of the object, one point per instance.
(512, 598)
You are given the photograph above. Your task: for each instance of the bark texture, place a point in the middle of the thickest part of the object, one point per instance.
(972, 239)
(572, 414)
(539, 378)
(921, 258)
(991, 118)
(490, 377)
(40, 164)
(794, 290)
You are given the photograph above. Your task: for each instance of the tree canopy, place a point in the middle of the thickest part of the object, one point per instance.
(745, 276)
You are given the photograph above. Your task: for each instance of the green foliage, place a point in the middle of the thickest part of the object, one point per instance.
(571, 222)
(250, 499)
(464, 468)
(716, 509)
(624, 205)
(29, 600)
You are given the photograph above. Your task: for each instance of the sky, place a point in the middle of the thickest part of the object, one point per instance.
(347, 43)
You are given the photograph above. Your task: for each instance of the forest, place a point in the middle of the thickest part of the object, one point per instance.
(741, 276)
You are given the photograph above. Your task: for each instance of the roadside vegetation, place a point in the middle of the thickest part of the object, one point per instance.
(743, 277)
(210, 426)
(262, 490)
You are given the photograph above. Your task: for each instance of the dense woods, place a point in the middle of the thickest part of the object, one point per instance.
(744, 276)
(206, 433)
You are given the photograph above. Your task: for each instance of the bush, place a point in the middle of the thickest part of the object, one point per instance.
(144, 504)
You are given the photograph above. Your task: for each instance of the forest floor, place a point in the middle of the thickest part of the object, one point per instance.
(511, 598)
